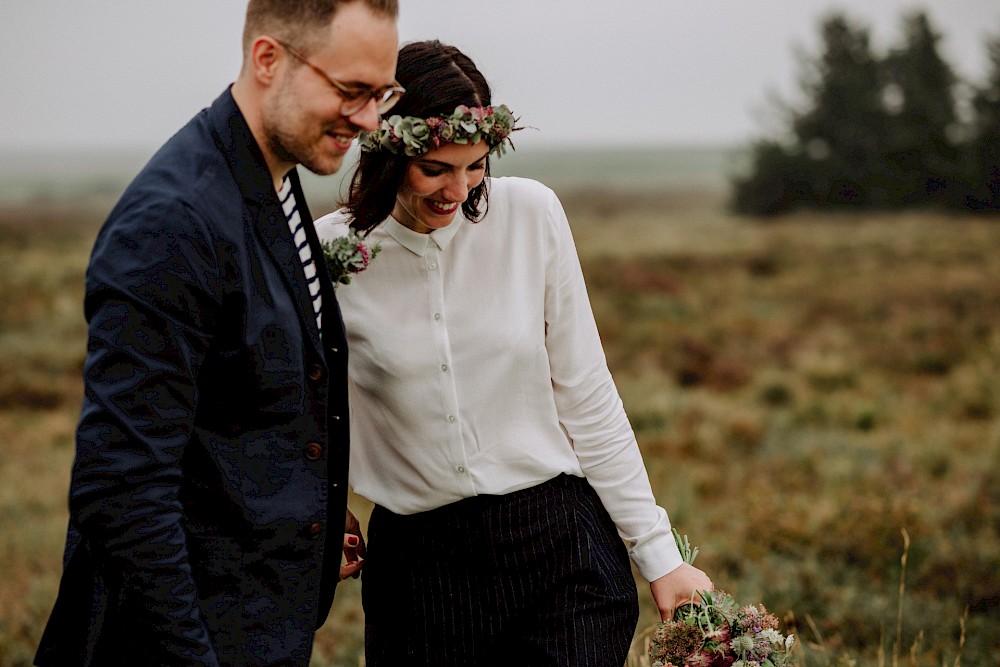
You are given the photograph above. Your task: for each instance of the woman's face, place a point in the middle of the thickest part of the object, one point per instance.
(437, 183)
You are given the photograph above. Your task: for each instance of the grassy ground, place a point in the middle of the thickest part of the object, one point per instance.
(803, 391)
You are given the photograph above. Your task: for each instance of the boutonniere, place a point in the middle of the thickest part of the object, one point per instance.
(347, 255)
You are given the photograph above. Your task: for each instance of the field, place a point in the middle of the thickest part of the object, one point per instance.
(804, 391)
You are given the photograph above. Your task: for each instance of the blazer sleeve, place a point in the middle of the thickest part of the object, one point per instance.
(152, 297)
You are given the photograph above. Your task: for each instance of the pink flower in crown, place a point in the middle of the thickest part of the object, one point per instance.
(434, 125)
(445, 133)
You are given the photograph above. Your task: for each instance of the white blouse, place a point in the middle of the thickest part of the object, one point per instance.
(476, 368)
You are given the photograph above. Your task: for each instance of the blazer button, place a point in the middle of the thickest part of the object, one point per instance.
(316, 373)
(314, 530)
(313, 451)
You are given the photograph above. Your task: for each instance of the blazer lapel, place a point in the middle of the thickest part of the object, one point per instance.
(247, 163)
(272, 226)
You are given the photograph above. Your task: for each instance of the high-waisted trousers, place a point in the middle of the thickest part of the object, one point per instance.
(531, 578)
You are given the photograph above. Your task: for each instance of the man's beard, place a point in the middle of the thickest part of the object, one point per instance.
(280, 124)
(290, 148)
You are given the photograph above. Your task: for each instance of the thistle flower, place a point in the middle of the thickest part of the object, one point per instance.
(742, 644)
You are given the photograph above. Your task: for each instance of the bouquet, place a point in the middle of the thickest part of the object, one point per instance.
(718, 632)
(348, 254)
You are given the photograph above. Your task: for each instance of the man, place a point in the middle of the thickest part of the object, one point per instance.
(209, 486)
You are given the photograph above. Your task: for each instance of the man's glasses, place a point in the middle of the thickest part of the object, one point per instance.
(355, 99)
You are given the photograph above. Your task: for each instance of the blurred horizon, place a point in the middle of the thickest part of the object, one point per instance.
(54, 176)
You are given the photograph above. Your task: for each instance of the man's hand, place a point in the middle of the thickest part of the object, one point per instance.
(679, 587)
(354, 548)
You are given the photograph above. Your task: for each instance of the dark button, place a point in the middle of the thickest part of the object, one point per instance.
(316, 373)
(313, 451)
(314, 529)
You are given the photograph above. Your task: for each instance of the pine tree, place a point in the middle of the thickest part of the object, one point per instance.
(842, 132)
(831, 158)
(922, 146)
(985, 142)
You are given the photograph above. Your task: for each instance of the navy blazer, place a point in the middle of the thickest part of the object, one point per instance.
(209, 488)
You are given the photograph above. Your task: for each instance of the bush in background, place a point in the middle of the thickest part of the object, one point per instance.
(879, 131)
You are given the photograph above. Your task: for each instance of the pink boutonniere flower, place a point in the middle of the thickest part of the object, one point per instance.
(347, 255)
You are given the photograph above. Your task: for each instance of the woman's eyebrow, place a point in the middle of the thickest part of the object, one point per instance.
(439, 163)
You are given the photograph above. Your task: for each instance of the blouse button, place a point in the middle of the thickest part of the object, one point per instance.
(444, 367)
(432, 266)
(461, 469)
(437, 316)
(451, 418)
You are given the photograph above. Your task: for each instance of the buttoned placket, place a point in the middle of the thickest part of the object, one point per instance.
(452, 426)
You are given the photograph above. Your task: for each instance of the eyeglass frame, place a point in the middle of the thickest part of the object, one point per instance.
(385, 98)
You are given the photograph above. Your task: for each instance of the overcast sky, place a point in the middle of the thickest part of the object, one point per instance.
(128, 73)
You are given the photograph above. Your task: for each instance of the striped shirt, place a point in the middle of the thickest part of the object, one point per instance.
(288, 204)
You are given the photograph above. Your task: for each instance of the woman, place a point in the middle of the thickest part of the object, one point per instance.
(486, 427)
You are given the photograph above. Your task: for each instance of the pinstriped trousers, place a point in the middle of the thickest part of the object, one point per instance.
(535, 577)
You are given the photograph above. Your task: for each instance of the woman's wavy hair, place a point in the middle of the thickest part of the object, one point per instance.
(437, 77)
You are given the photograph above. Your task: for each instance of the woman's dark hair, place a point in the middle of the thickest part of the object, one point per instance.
(437, 78)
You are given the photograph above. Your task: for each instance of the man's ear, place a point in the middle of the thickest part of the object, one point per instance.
(265, 59)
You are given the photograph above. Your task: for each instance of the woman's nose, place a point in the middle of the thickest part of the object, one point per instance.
(458, 187)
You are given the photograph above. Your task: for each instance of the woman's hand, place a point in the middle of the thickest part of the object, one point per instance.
(679, 587)
(354, 548)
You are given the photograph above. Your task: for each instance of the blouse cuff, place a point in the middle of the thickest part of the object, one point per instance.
(657, 556)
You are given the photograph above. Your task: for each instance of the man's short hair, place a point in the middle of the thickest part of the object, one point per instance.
(296, 21)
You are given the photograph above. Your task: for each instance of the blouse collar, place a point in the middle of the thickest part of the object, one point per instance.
(418, 243)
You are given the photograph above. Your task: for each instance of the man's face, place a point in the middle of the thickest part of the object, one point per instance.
(302, 117)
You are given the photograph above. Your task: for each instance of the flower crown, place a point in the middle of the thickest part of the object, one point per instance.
(413, 136)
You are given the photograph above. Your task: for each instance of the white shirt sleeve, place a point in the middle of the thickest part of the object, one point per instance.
(591, 411)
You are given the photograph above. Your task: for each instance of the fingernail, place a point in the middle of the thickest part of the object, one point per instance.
(352, 541)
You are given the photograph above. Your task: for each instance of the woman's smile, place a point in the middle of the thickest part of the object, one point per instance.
(441, 207)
